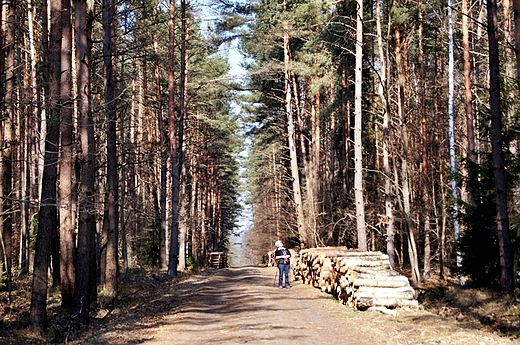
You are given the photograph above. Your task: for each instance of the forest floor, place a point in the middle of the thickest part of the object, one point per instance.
(243, 305)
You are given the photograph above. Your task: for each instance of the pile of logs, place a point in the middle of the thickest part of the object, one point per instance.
(358, 279)
(218, 259)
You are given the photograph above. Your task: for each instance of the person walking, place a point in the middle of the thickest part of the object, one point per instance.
(282, 256)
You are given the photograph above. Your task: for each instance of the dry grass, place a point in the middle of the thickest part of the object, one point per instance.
(493, 311)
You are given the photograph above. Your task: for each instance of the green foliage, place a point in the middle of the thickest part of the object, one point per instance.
(3, 281)
(403, 14)
(192, 265)
(33, 226)
(150, 245)
(479, 244)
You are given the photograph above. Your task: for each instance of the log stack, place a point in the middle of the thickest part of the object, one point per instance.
(218, 259)
(357, 278)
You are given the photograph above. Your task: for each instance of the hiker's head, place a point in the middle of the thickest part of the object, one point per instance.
(278, 243)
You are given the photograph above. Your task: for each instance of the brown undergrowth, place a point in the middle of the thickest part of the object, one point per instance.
(143, 292)
(492, 311)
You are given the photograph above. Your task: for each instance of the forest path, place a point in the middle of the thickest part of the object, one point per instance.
(243, 305)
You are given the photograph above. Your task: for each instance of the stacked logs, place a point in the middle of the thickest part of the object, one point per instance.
(218, 259)
(358, 279)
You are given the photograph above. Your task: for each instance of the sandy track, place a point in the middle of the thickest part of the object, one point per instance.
(243, 306)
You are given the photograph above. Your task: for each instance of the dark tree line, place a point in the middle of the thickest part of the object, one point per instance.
(118, 147)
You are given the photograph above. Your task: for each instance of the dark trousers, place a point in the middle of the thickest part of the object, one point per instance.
(283, 270)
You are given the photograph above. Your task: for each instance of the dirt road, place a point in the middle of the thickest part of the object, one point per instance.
(243, 306)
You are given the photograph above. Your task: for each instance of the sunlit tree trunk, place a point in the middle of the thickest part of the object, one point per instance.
(405, 173)
(381, 89)
(451, 114)
(358, 141)
(296, 189)
(468, 100)
(163, 166)
(67, 199)
(425, 146)
(185, 27)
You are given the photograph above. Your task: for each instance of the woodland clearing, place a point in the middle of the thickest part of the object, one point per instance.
(242, 305)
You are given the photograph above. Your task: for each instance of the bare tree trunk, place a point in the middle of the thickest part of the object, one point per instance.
(358, 140)
(109, 53)
(296, 189)
(85, 295)
(347, 142)
(163, 167)
(185, 27)
(175, 133)
(425, 146)
(66, 182)
(390, 231)
(451, 114)
(47, 220)
(506, 260)
(7, 142)
(33, 150)
(405, 174)
(468, 100)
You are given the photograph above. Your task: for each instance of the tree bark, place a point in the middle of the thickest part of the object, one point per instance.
(185, 29)
(358, 140)
(163, 166)
(506, 260)
(291, 135)
(405, 174)
(67, 195)
(7, 142)
(85, 294)
(425, 143)
(175, 132)
(112, 202)
(47, 218)
(451, 115)
(381, 87)
(468, 100)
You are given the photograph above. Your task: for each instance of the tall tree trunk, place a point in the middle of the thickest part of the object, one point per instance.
(66, 182)
(163, 166)
(185, 27)
(7, 141)
(47, 219)
(405, 174)
(112, 202)
(468, 102)
(85, 294)
(506, 260)
(296, 189)
(358, 140)
(425, 146)
(33, 148)
(389, 210)
(175, 132)
(451, 114)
